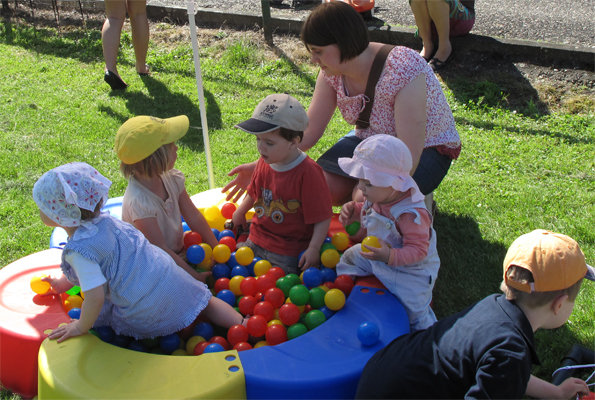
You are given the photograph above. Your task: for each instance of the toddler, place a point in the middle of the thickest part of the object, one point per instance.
(127, 281)
(291, 199)
(156, 198)
(394, 211)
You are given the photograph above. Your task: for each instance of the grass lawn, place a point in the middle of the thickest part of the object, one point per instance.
(522, 167)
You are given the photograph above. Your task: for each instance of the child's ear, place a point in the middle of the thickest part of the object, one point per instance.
(296, 140)
(558, 302)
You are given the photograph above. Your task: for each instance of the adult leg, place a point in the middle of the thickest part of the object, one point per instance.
(439, 13)
(137, 11)
(424, 25)
(115, 11)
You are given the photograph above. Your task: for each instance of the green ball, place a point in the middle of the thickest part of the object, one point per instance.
(316, 299)
(302, 319)
(352, 228)
(285, 284)
(94, 333)
(74, 290)
(296, 330)
(299, 295)
(150, 342)
(314, 318)
(327, 246)
(294, 279)
(158, 350)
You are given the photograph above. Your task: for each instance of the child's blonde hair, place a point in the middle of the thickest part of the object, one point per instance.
(154, 165)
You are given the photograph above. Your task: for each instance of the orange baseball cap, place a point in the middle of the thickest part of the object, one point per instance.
(555, 260)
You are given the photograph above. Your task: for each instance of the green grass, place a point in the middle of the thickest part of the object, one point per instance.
(519, 170)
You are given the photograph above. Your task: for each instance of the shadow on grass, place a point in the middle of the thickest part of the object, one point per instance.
(169, 105)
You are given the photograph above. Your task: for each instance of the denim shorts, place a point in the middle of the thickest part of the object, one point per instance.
(431, 170)
(288, 264)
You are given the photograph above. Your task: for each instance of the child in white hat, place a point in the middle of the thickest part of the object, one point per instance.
(407, 262)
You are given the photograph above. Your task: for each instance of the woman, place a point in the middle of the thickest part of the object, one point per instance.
(408, 103)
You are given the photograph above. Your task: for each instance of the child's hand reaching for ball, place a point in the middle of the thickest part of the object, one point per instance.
(381, 253)
(58, 286)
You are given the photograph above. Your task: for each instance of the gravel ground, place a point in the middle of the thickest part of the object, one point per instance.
(565, 22)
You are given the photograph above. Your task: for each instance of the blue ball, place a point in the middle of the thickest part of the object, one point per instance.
(221, 271)
(328, 274)
(137, 345)
(252, 264)
(227, 296)
(327, 312)
(170, 343)
(216, 233)
(327, 239)
(240, 270)
(185, 227)
(121, 341)
(195, 254)
(75, 313)
(312, 277)
(213, 348)
(368, 333)
(232, 260)
(227, 232)
(300, 255)
(106, 333)
(205, 330)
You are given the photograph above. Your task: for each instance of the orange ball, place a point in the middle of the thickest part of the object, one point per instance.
(72, 302)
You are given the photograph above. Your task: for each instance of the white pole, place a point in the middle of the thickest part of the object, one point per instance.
(201, 96)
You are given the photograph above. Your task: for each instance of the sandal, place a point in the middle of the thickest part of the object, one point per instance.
(437, 64)
(115, 82)
(148, 69)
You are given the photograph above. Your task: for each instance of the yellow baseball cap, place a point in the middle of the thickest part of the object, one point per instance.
(141, 136)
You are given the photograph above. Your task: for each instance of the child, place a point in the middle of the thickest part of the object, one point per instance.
(407, 262)
(487, 350)
(288, 191)
(156, 198)
(128, 282)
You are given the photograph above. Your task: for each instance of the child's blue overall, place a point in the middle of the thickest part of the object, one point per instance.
(412, 284)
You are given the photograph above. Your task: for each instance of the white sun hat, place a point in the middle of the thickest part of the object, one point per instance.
(385, 161)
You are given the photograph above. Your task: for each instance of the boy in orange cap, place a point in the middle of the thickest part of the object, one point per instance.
(487, 350)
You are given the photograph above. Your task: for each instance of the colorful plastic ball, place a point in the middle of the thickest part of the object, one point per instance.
(246, 305)
(195, 254)
(265, 309)
(150, 342)
(137, 345)
(257, 325)
(285, 284)
(294, 278)
(327, 246)
(170, 342)
(262, 343)
(244, 255)
(157, 350)
(242, 346)
(227, 232)
(216, 233)
(232, 262)
(240, 270)
(228, 241)
(74, 313)
(275, 322)
(277, 272)
(221, 284)
(296, 330)
(327, 239)
(73, 302)
(38, 286)
(106, 333)
(325, 288)
(192, 342)
(185, 227)
(330, 258)
(368, 333)
(234, 285)
(249, 286)
(340, 240)
(208, 251)
(221, 253)
(212, 213)
(237, 334)
(262, 267)
(221, 341)
(329, 285)
(328, 313)
(265, 282)
(213, 348)
(316, 299)
(74, 290)
(299, 295)
(344, 283)
(204, 329)
(312, 277)
(370, 241)
(352, 228)
(200, 348)
(227, 210)
(192, 238)
(276, 334)
(227, 296)
(275, 296)
(328, 274)
(221, 271)
(314, 319)
(301, 254)
(179, 352)
(289, 314)
(334, 299)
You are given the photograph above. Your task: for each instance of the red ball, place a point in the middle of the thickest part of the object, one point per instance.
(248, 286)
(276, 334)
(229, 242)
(246, 305)
(330, 285)
(257, 325)
(275, 296)
(191, 238)
(289, 314)
(242, 346)
(344, 283)
(220, 284)
(265, 282)
(200, 348)
(265, 309)
(259, 296)
(237, 334)
(186, 333)
(220, 340)
(307, 308)
(277, 272)
(227, 210)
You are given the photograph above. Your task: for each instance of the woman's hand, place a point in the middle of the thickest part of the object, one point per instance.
(381, 253)
(240, 183)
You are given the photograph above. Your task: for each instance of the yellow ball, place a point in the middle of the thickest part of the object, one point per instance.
(82, 295)
(325, 288)
(261, 267)
(334, 299)
(371, 241)
(244, 255)
(208, 251)
(275, 322)
(212, 213)
(179, 352)
(330, 258)
(234, 284)
(221, 253)
(340, 240)
(302, 308)
(39, 286)
(72, 302)
(192, 342)
(262, 343)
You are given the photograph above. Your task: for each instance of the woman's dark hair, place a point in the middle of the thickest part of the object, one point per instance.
(336, 23)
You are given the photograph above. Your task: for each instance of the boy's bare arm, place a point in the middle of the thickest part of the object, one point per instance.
(311, 257)
(239, 215)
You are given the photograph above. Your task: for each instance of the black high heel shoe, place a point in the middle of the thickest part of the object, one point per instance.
(115, 82)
